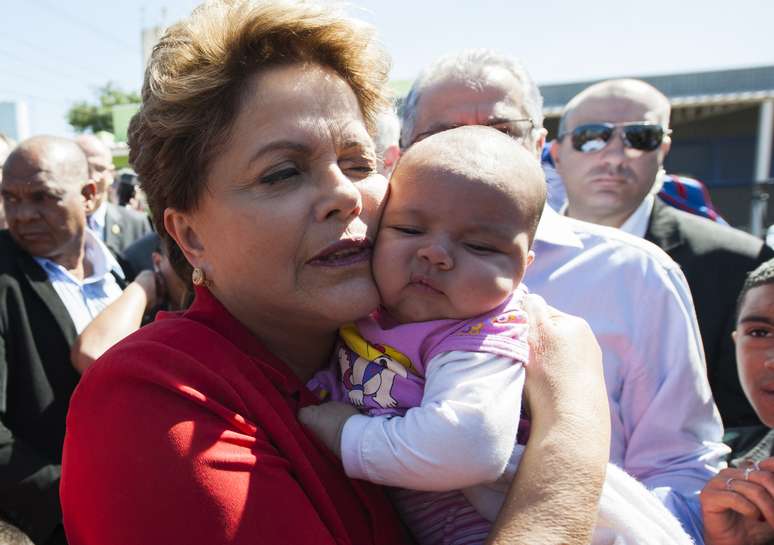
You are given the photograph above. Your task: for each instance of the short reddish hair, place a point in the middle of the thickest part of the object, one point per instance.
(199, 71)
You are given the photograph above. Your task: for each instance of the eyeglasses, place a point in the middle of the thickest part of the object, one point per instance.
(593, 137)
(518, 129)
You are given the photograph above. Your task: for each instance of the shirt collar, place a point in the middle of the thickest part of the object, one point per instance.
(95, 253)
(557, 230)
(101, 259)
(98, 218)
(637, 223)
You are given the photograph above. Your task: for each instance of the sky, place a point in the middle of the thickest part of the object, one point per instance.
(55, 53)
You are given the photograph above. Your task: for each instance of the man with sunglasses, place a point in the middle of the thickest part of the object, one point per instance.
(613, 138)
(665, 429)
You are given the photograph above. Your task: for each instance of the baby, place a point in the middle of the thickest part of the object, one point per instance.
(439, 368)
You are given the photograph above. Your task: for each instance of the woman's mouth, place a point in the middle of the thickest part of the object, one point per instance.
(343, 253)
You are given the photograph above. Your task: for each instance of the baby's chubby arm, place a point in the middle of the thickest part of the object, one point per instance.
(327, 422)
(462, 433)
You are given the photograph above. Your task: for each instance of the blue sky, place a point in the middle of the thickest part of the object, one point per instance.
(54, 53)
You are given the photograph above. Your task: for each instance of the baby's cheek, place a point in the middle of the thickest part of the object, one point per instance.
(386, 270)
(503, 286)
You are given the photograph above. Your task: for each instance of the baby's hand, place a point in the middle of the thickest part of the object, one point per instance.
(327, 422)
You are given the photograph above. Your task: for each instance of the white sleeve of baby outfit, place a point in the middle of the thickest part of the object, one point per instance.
(462, 433)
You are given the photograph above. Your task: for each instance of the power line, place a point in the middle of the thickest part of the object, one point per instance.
(27, 77)
(112, 39)
(26, 62)
(60, 102)
(60, 58)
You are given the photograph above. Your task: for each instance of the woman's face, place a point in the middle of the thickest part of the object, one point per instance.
(285, 227)
(754, 338)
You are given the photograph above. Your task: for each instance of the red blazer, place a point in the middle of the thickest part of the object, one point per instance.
(186, 432)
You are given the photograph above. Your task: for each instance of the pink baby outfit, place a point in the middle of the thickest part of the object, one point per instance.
(463, 380)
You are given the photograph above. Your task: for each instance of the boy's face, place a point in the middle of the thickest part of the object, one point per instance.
(754, 338)
(448, 246)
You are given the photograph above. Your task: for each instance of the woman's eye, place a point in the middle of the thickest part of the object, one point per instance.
(279, 176)
(362, 169)
(759, 333)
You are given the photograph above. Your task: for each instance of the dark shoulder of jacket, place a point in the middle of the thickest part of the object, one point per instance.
(134, 216)
(715, 236)
(9, 252)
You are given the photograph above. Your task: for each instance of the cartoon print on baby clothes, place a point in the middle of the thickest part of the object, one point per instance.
(514, 321)
(366, 379)
(369, 371)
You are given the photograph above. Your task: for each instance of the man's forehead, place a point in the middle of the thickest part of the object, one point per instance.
(453, 103)
(33, 179)
(614, 109)
(99, 159)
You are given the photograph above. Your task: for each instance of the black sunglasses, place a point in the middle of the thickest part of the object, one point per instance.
(593, 137)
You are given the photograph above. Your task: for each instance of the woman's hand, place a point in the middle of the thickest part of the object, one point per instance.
(555, 493)
(327, 422)
(152, 283)
(738, 506)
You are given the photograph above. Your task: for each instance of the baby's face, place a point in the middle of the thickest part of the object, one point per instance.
(448, 246)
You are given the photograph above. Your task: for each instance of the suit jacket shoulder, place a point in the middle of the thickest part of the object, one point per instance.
(32, 290)
(715, 259)
(671, 229)
(123, 226)
(36, 382)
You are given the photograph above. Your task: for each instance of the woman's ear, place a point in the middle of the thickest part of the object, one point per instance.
(182, 230)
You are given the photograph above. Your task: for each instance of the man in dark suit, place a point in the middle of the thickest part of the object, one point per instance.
(55, 276)
(118, 226)
(613, 138)
(6, 145)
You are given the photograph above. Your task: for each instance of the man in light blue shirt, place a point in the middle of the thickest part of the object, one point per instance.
(55, 277)
(666, 430)
(87, 297)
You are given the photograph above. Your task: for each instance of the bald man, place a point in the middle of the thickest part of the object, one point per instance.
(6, 145)
(55, 276)
(613, 139)
(117, 226)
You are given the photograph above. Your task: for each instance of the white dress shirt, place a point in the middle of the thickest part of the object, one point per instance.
(85, 299)
(637, 223)
(666, 431)
(97, 221)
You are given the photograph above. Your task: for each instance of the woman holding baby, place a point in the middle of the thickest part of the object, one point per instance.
(254, 150)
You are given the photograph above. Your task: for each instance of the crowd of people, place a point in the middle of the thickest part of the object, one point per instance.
(520, 342)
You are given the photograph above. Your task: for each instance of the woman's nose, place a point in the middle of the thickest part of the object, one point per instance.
(339, 196)
(436, 255)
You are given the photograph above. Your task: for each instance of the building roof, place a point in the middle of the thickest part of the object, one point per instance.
(737, 86)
